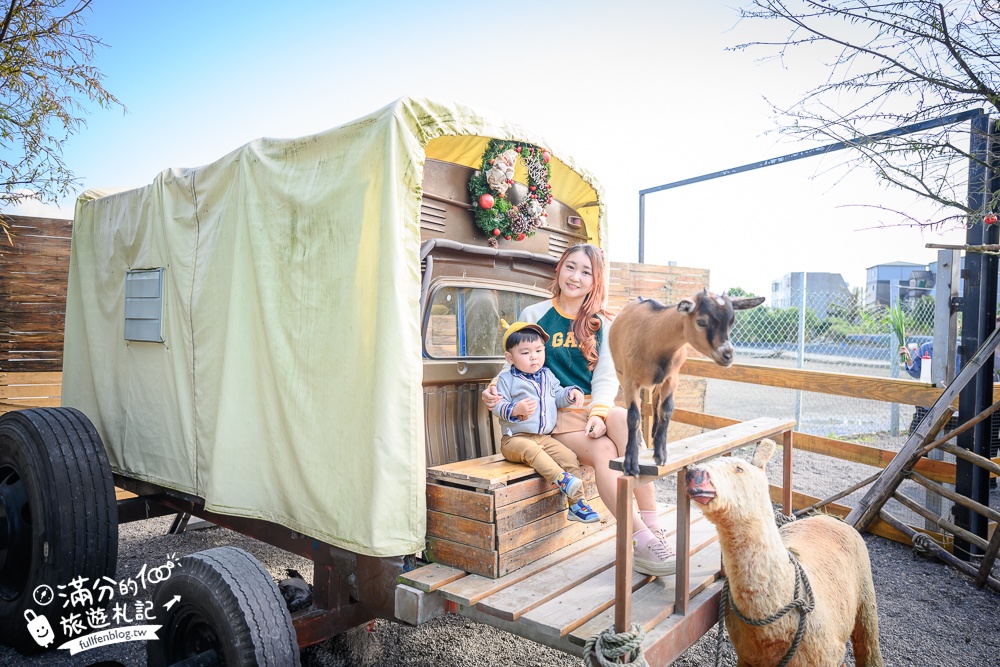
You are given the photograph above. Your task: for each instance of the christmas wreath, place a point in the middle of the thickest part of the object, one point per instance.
(494, 214)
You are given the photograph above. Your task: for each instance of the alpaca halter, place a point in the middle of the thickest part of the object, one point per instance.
(804, 605)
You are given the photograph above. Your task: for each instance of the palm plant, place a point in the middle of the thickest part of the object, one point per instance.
(898, 321)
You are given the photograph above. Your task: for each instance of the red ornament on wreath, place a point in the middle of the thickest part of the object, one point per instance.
(486, 202)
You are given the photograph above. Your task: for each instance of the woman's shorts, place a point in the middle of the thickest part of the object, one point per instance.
(569, 420)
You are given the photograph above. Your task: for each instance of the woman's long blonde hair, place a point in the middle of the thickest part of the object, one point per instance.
(586, 323)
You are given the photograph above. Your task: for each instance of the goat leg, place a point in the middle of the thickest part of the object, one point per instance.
(664, 411)
(631, 463)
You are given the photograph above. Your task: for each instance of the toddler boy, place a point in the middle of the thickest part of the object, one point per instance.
(530, 395)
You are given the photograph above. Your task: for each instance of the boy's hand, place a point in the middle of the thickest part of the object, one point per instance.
(576, 398)
(524, 408)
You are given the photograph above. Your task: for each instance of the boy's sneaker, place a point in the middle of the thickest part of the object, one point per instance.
(569, 484)
(581, 511)
(656, 559)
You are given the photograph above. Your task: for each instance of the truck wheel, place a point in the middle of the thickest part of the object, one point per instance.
(228, 604)
(58, 514)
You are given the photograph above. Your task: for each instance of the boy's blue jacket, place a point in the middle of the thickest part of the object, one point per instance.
(543, 387)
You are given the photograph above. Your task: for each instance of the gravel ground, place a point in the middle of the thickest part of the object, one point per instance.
(929, 614)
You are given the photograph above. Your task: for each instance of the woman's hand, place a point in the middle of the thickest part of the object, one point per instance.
(491, 397)
(596, 427)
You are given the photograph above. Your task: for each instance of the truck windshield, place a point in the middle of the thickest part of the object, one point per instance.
(465, 321)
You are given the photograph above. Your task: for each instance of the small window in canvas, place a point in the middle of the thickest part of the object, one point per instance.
(143, 305)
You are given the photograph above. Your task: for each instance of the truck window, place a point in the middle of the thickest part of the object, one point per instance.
(465, 321)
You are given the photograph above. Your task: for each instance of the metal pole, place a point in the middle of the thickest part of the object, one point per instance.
(800, 360)
(822, 150)
(894, 364)
(943, 369)
(978, 317)
(642, 227)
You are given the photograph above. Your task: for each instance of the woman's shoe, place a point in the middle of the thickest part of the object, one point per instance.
(655, 559)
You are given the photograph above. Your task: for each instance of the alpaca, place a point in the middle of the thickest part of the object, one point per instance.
(733, 495)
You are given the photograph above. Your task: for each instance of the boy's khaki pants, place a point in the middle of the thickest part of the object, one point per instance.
(545, 454)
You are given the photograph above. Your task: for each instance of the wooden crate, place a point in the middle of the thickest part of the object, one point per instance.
(490, 517)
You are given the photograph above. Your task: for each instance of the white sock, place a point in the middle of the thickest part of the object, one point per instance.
(651, 518)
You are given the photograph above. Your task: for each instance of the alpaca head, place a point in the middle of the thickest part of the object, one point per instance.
(732, 488)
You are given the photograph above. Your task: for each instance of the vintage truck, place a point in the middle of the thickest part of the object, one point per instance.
(282, 340)
(286, 342)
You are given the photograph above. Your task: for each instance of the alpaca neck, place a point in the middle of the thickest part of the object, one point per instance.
(761, 577)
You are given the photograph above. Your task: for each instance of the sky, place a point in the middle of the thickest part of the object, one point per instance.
(639, 93)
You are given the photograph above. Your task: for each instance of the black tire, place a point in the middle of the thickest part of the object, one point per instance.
(228, 604)
(58, 513)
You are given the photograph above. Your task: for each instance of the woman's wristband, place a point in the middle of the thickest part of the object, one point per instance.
(600, 411)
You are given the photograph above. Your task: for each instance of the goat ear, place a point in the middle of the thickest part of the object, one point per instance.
(743, 303)
(763, 453)
(686, 306)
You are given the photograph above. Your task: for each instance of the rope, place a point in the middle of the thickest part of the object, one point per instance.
(609, 646)
(922, 543)
(804, 604)
(782, 519)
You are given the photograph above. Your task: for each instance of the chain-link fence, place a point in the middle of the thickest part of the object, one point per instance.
(836, 332)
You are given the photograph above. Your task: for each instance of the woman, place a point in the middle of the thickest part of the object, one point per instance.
(577, 353)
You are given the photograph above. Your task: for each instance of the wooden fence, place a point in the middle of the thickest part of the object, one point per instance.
(839, 384)
(34, 267)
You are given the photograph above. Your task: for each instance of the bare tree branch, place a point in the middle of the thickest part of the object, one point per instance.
(46, 78)
(891, 64)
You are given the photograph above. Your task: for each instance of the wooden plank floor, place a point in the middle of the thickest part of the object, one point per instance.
(567, 597)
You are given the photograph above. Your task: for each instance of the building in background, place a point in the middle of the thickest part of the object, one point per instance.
(822, 289)
(884, 282)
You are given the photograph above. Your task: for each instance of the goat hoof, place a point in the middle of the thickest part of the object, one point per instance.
(631, 466)
(660, 456)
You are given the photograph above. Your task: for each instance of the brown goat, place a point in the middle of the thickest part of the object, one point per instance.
(649, 345)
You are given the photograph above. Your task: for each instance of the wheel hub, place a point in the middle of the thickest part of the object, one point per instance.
(15, 533)
(191, 636)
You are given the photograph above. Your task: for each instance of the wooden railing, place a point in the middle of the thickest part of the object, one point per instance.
(839, 384)
(680, 454)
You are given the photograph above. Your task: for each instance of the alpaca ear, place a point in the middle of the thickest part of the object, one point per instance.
(763, 453)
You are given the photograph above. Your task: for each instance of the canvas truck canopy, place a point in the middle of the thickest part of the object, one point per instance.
(248, 331)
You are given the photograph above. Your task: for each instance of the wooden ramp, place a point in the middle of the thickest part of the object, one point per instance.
(567, 597)
(574, 593)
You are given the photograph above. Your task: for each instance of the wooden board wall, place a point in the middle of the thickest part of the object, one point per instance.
(668, 285)
(34, 268)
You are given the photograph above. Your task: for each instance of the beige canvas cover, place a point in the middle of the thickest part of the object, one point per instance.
(288, 383)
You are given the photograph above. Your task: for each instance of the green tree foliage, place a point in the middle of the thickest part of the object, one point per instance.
(848, 306)
(922, 316)
(891, 64)
(46, 78)
(773, 325)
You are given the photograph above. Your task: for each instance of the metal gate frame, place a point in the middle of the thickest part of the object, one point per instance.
(979, 303)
